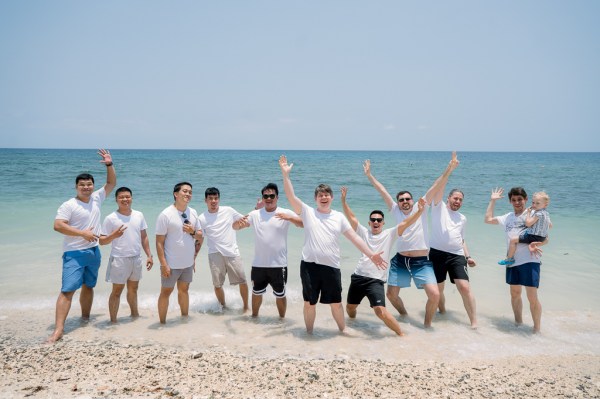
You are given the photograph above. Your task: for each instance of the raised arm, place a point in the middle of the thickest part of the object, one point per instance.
(347, 211)
(412, 218)
(489, 212)
(389, 200)
(111, 175)
(436, 191)
(294, 201)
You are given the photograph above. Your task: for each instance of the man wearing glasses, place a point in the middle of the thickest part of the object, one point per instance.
(368, 278)
(223, 253)
(411, 261)
(270, 265)
(178, 240)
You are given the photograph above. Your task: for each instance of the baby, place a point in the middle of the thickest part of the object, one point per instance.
(537, 221)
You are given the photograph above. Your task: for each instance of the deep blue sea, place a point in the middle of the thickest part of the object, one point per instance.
(34, 182)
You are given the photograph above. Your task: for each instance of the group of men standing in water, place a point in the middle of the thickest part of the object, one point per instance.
(423, 256)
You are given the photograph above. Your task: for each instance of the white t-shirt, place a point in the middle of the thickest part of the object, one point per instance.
(179, 245)
(447, 229)
(321, 236)
(218, 231)
(270, 237)
(415, 237)
(383, 241)
(82, 216)
(513, 226)
(130, 243)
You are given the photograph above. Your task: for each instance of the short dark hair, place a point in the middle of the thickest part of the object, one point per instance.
(377, 211)
(323, 188)
(270, 186)
(84, 176)
(212, 191)
(455, 190)
(122, 190)
(178, 187)
(517, 191)
(402, 193)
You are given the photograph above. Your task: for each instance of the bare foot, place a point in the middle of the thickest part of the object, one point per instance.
(57, 335)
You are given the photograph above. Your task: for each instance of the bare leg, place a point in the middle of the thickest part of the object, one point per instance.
(256, 302)
(132, 290)
(393, 294)
(433, 297)
(281, 306)
(388, 319)
(86, 298)
(351, 310)
(244, 295)
(517, 303)
(220, 294)
(183, 297)
(464, 289)
(163, 303)
(113, 301)
(310, 313)
(442, 301)
(535, 307)
(337, 311)
(63, 305)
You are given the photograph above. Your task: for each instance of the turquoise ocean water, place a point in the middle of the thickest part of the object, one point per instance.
(34, 182)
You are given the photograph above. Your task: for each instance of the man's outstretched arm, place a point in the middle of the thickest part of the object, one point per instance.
(294, 201)
(436, 191)
(389, 200)
(347, 211)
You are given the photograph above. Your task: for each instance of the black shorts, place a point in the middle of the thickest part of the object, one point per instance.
(527, 238)
(446, 263)
(276, 277)
(361, 286)
(320, 280)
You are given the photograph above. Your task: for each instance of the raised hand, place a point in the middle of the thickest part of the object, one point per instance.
(119, 232)
(497, 193)
(367, 167)
(344, 191)
(454, 161)
(421, 204)
(283, 164)
(106, 157)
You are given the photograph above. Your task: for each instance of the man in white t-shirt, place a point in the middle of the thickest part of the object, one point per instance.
(270, 265)
(178, 240)
(368, 279)
(525, 272)
(78, 219)
(320, 266)
(448, 250)
(125, 230)
(223, 253)
(411, 261)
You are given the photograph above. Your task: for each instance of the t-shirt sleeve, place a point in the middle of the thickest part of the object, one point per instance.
(162, 223)
(345, 224)
(106, 228)
(64, 211)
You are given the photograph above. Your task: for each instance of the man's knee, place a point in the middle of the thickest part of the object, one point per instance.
(117, 289)
(379, 311)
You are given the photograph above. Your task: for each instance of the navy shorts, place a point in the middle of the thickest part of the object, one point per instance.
(527, 274)
(445, 263)
(263, 276)
(361, 286)
(320, 281)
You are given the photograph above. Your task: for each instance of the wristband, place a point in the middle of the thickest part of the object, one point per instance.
(109, 164)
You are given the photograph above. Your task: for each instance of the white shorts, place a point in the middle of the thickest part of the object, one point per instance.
(120, 270)
(226, 265)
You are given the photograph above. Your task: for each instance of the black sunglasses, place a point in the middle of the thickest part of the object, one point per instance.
(376, 220)
(185, 219)
(403, 199)
(269, 196)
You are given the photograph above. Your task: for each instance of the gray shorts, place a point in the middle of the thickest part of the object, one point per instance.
(120, 270)
(184, 275)
(226, 265)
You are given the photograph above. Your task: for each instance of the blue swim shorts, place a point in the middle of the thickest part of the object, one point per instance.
(403, 268)
(527, 274)
(80, 267)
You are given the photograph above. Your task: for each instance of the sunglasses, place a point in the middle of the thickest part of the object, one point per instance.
(379, 220)
(404, 199)
(185, 219)
(269, 196)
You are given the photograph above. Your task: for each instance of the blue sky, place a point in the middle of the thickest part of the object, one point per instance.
(388, 75)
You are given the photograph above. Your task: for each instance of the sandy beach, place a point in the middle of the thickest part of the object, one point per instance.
(195, 359)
